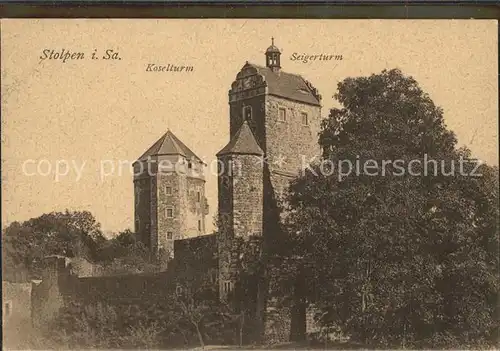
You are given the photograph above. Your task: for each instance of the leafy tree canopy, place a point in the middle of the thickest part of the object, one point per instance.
(397, 259)
(66, 233)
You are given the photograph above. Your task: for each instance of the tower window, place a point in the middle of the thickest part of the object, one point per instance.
(137, 195)
(8, 308)
(247, 113)
(282, 115)
(170, 212)
(305, 119)
(170, 235)
(199, 225)
(168, 190)
(137, 225)
(178, 289)
(198, 196)
(228, 286)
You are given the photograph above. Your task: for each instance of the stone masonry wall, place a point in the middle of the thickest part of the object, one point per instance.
(194, 218)
(177, 188)
(225, 222)
(225, 198)
(142, 192)
(194, 261)
(256, 123)
(240, 209)
(291, 139)
(153, 206)
(289, 145)
(166, 201)
(247, 195)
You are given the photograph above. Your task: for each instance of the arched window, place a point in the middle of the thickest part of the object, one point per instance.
(247, 113)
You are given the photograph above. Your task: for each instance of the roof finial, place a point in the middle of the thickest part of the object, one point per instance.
(273, 57)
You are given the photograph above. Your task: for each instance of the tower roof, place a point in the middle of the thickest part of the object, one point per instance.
(169, 144)
(243, 143)
(273, 48)
(288, 85)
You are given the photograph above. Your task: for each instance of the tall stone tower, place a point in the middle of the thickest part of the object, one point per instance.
(169, 188)
(278, 116)
(284, 113)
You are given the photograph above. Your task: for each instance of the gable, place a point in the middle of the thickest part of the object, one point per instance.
(287, 85)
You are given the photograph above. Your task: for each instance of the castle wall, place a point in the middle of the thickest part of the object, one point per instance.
(47, 296)
(124, 288)
(195, 263)
(16, 315)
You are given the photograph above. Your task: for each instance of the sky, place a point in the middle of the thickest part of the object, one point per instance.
(95, 115)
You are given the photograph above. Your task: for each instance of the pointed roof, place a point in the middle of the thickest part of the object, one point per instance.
(243, 142)
(169, 144)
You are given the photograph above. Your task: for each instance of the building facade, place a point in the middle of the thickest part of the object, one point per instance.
(274, 120)
(169, 194)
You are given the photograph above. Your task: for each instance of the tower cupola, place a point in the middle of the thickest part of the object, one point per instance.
(273, 57)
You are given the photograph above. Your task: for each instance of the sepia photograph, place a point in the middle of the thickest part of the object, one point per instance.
(249, 184)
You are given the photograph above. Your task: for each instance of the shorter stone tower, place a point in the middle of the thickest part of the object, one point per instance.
(241, 199)
(169, 188)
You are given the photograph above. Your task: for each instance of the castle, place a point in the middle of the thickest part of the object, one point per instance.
(274, 120)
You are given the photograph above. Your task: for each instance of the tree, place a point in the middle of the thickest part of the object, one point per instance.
(393, 258)
(126, 253)
(57, 233)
